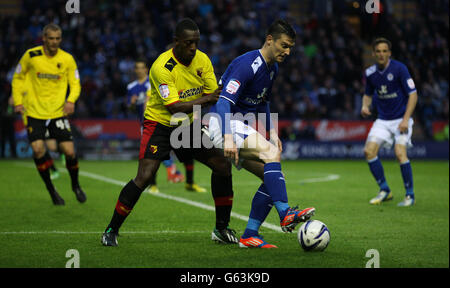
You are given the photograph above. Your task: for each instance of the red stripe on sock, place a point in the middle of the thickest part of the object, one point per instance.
(189, 167)
(44, 166)
(122, 209)
(74, 167)
(223, 201)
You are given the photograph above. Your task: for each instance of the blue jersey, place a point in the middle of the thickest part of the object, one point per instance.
(390, 89)
(247, 85)
(140, 90)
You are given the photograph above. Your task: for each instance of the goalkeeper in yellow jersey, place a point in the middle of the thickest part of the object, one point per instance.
(39, 88)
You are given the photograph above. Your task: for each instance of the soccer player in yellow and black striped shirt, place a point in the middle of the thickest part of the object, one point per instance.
(39, 89)
(180, 78)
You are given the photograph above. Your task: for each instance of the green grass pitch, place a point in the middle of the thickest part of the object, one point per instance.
(173, 230)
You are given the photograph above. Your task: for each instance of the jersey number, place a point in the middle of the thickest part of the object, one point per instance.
(63, 124)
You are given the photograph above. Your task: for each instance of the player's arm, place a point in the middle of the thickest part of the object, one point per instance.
(409, 87)
(369, 91)
(223, 108)
(237, 77)
(410, 106)
(270, 127)
(210, 96)
(188, 107)
(366, 103)
(73, 77)
(19, 83)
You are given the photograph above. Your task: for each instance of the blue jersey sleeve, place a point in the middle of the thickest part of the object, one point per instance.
(234, 81)
(406, 81)
(223, 108)
(370, 89)
(269, 124)
(129, 94)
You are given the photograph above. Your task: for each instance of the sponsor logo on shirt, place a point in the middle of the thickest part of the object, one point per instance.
(233, 86)
(183, 94)
(383, 93)
(48, 76)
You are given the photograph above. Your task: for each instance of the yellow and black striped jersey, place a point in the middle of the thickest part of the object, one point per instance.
(172, 82)
(43, 81)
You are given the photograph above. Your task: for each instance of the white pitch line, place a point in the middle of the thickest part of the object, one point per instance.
(177, 199)
(327, 178)
(190, 202)
(166, 196)
(97, 232)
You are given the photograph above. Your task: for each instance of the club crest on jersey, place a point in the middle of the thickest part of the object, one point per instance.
(390, 77)
(233, 86)
(164, 90)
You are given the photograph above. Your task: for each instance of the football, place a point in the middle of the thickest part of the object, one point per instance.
(313, 235)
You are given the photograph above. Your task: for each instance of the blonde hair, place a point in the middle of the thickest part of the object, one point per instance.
(52, 27)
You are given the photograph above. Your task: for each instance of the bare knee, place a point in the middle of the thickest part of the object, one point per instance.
(38, 149)
(272, 154)
(401, 154)
(68, 149)
(146, 171)
(370, 152)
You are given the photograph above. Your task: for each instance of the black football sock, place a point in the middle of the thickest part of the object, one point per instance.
(222, 191)
(49, 158)
(189, 166)
(152, 180)
(127, 199)
(72, 168)
(43, 166)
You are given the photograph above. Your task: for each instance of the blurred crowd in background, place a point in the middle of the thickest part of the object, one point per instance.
(321, 79)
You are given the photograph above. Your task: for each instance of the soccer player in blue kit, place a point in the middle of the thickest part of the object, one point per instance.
(137, 93)
(391, 90)
(247, 86)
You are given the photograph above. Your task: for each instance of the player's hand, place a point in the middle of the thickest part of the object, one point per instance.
(229, 149)
(133, 99)
(403, 127)
(365, 112)
(275, 140)
(214, 97)
(19, 109)
(69, 108)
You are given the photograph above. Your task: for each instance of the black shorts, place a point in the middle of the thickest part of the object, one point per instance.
(58, 128)
(156, 143)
